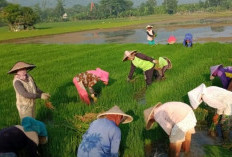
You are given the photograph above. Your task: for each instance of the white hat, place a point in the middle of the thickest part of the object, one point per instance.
(149, 26)
(116, 110)
(127, 54)
(195, 95)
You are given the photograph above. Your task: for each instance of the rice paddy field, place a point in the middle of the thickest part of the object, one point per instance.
(58, 64)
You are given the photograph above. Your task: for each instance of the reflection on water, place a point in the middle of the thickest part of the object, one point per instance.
(217, 29)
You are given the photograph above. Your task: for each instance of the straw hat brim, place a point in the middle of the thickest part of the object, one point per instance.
(215, 69)
(126, 118)
(125, 56)
(147, 115)
(20, 66)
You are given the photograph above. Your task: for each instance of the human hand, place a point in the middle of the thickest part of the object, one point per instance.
(94, 98)
(45, 96)
(155, 61)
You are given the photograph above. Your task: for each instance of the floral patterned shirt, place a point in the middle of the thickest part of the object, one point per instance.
(102, 139)
(88, 80)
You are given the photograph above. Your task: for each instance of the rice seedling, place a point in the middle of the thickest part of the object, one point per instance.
(58, 64)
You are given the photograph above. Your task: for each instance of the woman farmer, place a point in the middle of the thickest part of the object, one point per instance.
(150, 35)
(217, 98)
(162, 65)
(147, 64)
(177, 120)
(224, 73)
(103, 136)
(188, 40)
(89, 79)
(26, 89)
(26, 136)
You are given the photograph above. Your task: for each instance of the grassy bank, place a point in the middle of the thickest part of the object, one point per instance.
(65, 27)
(58, 64)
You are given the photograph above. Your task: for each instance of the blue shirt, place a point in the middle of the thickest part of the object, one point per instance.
(102, 139)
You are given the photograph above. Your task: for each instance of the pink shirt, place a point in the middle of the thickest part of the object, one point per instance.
(170, 113)
(218, 98)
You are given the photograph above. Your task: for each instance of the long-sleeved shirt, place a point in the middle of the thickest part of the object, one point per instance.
(101, 139)
(13, 139)
(170, 113)
(88, 80)
(223, 74)
(218, 98)
(22, 91)
(150, 35)
(133, 67)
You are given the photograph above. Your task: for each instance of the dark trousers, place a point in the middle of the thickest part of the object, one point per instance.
(149, 75)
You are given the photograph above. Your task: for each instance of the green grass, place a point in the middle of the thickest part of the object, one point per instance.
(65, 27)
(58, 64)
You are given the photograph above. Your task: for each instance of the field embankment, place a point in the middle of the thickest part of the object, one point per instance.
(58, 64)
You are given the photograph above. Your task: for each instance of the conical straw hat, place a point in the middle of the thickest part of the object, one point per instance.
(127, 54)
(147, 115)
(21, 65)
(214, 69)
(116, 110)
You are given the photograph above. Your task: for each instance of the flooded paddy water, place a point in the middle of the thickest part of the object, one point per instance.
(203, 30)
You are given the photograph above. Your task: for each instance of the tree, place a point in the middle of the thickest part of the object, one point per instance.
(170, 6)
(19, 17)
(59, 9)
(3, 3)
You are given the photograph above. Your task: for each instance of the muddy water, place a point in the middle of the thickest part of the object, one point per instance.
(203, 30)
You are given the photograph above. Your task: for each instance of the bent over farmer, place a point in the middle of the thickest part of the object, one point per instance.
(23, 137)
(224, 73)
(103, 136)
(147, 64)
(26, 89)
(219, 99)
(177, 119)
(87, 80)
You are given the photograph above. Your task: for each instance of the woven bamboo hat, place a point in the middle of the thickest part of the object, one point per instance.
(127, 54)
(149, 26)
(116, 110)
(147, 115)
(21, 65)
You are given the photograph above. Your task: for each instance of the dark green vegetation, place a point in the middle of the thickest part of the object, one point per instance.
(58, 64)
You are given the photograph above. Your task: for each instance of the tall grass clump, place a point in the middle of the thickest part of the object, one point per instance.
(58, 64)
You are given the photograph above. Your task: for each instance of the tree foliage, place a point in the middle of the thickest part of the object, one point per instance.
(19, 17)
(170, 6)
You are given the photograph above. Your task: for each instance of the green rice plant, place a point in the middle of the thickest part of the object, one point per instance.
(58, 64)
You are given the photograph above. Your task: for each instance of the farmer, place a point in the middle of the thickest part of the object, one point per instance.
(26, 89)
(178, 120)
(150, 35)
(221, 100)
(188, 40)
(224, 73)
(89, 79)
(171, 40)
(147, 64)
(26, 136)
(103, 136)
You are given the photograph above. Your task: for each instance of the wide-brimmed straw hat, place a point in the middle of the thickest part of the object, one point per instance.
(213, 69)
(147, 115)
(116, 111)
(149, 26)
(19, 66)
(127, 54)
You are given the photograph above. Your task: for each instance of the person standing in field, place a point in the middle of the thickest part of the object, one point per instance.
(87, 80)
(224, 73)
(147, 64)
(26, 89)
(178, 120)
(103, 136)
(221, 100)
(26, 136)
(150, 35)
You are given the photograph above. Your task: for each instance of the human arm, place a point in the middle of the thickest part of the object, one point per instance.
(144, 57)
(115, 143)
(132, 70)
(22, 91)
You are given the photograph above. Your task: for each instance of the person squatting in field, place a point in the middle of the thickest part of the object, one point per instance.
(150, 35)
(23, 137)
(103, 136)
(221, 100)
(188, 40)
(224, 73)
(87, 80)
(147, 64)
(26, 89)
(178, 120)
